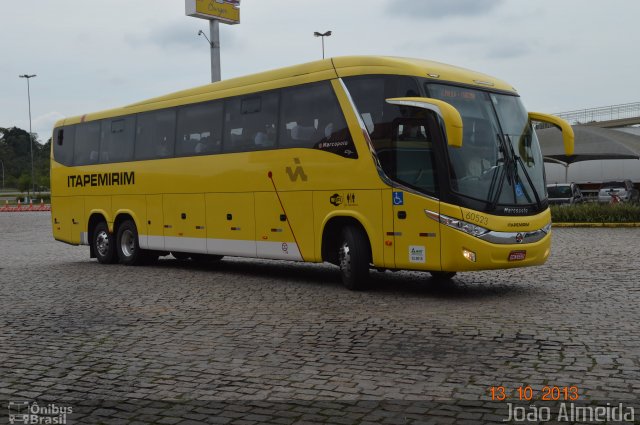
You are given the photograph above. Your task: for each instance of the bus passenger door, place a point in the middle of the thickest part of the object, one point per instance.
(231, 228)
(184, 223)
(274, 238)
(417, 237)
(411, 163)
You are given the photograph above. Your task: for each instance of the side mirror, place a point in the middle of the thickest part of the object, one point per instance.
(449, 115)
(567, 132)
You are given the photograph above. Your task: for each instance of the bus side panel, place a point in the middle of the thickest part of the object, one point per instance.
(365, 206)
(184, 223)
(231, 228)
(273, 235)
(78, 223)
(135, 206)
(99, 205)
(299, 212)
(61, 218)
(153, 237)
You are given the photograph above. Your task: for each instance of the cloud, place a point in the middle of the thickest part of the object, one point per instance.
(435, 9)
(509, 50)
(43, 124)
(174, 35)
(179, 36)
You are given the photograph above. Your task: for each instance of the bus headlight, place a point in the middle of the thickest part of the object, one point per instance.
(464, 226)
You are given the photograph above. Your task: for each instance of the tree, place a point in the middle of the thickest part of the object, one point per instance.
(24, 183)
(15, 153)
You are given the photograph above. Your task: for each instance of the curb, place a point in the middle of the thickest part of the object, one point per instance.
(597, 225)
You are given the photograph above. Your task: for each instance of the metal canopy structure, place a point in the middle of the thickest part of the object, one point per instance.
(591, 143)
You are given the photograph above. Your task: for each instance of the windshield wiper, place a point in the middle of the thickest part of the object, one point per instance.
(499, 177)
(517, 160)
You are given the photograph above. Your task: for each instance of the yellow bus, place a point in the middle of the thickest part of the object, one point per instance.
(364, 162)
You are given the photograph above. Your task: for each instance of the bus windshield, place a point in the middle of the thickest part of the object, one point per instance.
(500, 161)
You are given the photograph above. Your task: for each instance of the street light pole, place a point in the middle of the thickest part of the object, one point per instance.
(214, 43)
(323, 35)
(28, 77)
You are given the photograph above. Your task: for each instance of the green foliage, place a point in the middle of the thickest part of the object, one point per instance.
(596, 213)
(24, 182)
(16, 157)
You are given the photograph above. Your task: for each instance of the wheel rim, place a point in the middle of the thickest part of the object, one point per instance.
(102, 243)
(127, 243)
(345, 260)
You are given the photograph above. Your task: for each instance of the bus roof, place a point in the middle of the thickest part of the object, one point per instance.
(344, 66)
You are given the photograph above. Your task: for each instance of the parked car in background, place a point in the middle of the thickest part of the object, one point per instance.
(564, 193)
(618, 191)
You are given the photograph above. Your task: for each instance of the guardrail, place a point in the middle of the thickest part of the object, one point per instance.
(603, 113)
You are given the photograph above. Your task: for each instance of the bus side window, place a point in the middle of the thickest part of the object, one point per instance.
(63, 145)
(199, 129)
(311, 118)
(87, 144)
(155, 134)
(116, 143)
(251, 122)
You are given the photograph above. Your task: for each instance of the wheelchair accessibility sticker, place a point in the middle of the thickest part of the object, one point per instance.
(398, 198)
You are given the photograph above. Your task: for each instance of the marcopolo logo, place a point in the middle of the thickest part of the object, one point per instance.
(23, 412)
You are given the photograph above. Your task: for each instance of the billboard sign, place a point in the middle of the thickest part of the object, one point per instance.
(227, 11)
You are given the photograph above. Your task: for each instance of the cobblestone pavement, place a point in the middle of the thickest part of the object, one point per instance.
(244, 342)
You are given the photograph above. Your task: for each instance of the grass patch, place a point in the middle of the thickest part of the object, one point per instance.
(596, 213)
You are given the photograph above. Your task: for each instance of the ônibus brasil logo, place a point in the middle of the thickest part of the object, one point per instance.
(24, 412)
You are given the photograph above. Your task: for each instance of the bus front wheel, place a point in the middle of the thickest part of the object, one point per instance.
(104, 244)
(353, 258)
(127, 246)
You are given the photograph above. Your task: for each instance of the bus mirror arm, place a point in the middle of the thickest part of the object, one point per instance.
(449, 115)
(567, 132)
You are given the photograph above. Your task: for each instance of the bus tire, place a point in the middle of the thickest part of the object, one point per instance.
(353, 258)
(442, 275)
(127, 245)
(104, 244)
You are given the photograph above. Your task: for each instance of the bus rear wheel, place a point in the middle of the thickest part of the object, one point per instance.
(103, 244)
(128, 247)
(353, 258)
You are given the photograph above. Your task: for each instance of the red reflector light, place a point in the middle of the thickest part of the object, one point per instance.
(517, 255)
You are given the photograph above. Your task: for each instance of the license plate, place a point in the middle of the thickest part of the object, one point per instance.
(517, 255)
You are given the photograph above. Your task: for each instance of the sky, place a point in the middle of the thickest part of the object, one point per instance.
(89, 55)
